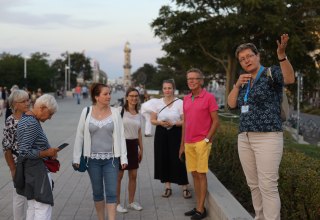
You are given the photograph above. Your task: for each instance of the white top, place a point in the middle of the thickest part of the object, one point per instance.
(171, 113)
(132, 124)
(149, 106)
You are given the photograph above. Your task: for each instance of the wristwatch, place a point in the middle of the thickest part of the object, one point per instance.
(207, 140)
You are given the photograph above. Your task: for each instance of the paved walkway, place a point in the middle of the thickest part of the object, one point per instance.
(72, 192)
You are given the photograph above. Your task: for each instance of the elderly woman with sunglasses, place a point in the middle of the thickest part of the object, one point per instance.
(260, 139)
(19, 103)
(34, 148)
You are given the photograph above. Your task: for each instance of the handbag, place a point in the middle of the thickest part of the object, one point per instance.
(83, 165)
(53, 165)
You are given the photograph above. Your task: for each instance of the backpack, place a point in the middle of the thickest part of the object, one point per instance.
(284, 105)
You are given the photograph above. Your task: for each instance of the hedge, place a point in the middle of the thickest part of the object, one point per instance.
(299, 183)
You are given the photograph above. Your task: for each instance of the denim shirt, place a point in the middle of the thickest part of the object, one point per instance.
(264, 102)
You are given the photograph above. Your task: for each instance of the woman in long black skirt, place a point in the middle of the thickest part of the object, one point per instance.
(168, 168)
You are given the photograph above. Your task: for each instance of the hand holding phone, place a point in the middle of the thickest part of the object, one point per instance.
(63, 146)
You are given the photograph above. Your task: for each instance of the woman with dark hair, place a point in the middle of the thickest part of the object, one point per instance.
(132, 132)
(100, 134)
(168, 118)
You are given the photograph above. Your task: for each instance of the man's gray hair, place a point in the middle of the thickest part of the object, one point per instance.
(49, 101)
(17, 95)
(196, 70)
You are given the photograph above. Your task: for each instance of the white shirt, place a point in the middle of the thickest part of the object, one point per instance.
(171, 113)
(131, 124)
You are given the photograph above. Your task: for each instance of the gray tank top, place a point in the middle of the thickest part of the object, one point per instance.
(101, 135)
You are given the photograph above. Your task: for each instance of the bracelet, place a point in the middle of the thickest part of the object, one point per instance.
(283, 59)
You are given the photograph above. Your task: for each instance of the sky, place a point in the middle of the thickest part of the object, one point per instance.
(100, 28)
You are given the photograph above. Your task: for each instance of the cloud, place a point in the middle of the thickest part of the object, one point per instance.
(11, 14)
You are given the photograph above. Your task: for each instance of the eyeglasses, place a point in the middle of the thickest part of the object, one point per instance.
(193, 79)
(248, 57)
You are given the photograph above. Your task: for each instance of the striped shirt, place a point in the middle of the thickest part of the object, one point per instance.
(31, 138)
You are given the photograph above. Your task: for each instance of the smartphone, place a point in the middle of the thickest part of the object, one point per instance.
(183, 158)
(63, 146)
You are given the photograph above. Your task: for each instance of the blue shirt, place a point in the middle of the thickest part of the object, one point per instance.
(264, 102)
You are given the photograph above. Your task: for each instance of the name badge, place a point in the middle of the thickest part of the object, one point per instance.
(244, 108)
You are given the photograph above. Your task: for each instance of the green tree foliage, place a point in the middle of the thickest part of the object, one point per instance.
(205, 33)
(39, 73)
(144, 75)
(79, 67)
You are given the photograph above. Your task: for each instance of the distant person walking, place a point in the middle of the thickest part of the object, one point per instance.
(77, 91)
(200, 124)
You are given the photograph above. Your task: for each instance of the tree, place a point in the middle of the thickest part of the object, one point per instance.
(144, 75)
(205, 33)
(39, 73)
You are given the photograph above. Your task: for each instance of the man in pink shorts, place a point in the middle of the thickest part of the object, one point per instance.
(200, 123)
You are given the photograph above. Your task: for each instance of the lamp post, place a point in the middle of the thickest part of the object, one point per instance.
(65, 77)
(25, 71)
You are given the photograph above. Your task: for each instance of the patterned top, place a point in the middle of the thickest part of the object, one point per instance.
(264, 102)
(9, 141)
(31, 137)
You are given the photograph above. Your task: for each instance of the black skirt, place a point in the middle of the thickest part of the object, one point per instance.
(132, 154)
(167, 165)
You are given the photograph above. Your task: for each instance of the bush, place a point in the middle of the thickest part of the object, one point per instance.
(299, 186)
(225, 164)
(299, 183)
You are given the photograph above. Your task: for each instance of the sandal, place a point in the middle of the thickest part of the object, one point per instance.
(186, 194)
(167, 193)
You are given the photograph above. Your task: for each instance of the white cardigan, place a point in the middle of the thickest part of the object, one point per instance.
(83, 138)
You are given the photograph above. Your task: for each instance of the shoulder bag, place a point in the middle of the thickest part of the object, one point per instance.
(83, 165)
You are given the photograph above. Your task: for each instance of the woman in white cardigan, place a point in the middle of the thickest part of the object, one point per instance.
(100, 134)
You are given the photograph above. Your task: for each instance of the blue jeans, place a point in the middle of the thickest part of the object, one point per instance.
(104, 173)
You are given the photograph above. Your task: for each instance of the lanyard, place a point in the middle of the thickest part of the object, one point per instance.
(248, 87)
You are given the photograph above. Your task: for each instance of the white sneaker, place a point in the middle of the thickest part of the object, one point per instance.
(135, 206)
(121, 209)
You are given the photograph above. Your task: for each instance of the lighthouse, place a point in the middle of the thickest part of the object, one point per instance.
(127, 66)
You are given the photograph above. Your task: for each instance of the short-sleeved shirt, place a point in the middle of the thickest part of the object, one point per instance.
(264, 103)
(170, 113)
(131, 124)
(9, 141)
(197, 115)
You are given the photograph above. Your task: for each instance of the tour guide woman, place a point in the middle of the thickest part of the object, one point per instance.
(258, 93)
(101, 135)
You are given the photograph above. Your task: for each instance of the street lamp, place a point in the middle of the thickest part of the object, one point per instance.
(65, 77)
(25, 71)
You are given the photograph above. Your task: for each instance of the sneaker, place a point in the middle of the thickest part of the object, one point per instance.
(199, 215)
(135, 206)
(121, 209)
(191, 212)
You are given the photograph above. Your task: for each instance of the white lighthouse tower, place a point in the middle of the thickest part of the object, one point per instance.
(127, 66)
